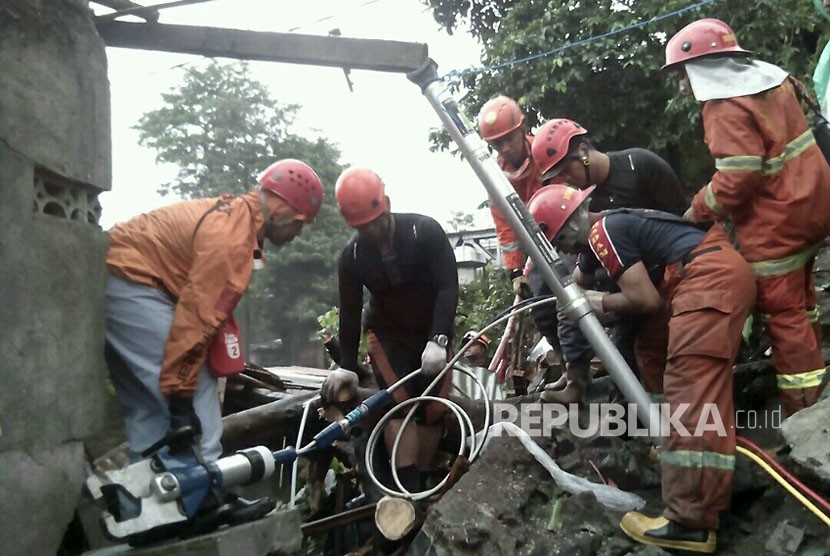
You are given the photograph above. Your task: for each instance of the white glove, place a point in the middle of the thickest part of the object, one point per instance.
(433, 359)
(595, 301)
(339, 386)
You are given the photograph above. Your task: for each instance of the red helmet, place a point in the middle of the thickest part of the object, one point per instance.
(550, 145)
(498, 117)
(297, 184)
(701, 38)
(361, 196)
(482, 339)
(552, 205)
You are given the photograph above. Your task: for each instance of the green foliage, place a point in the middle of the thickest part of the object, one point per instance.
(221, 129)
(461, 221)
(330, 320)
(613, 86)
(480, 301)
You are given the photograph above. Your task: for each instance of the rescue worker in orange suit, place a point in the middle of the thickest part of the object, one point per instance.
(770, 189)
(175, 276)
(630, 178)
(501, 123)
(708, 290)
(406, 263)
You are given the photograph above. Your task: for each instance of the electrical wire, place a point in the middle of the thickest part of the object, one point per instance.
(804, 489)
(459, 74)
(784, 483)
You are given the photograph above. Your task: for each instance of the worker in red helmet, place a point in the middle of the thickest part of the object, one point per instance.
(476, 353)
(630, 178)
(406, 263)
(770, 188)
(706, 290)
(501, 123)
(175, 276)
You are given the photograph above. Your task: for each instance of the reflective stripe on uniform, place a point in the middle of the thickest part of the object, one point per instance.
(793, 149)
(689, 458)
(785, 265)
(770, 166)
(740, 164)
(809, 379)
(813, 315)
(712, 202)
(511, 246)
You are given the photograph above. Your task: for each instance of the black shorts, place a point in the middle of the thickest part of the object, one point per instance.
(392, 360)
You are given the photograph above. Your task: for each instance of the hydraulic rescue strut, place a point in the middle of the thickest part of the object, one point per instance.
(534, 242)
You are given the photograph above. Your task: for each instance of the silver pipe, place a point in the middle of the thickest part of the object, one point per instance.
(533, 241)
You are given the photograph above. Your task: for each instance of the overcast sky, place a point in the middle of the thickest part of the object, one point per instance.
(384, 124)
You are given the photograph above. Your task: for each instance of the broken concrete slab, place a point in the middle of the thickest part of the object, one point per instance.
(785, 539)
(808, 433)
(276, 534)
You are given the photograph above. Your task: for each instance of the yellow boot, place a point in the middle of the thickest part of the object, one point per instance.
(662, 532)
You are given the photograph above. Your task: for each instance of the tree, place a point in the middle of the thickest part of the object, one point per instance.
(481, 300)
(221, 128)
(613, 85)
(461, 220)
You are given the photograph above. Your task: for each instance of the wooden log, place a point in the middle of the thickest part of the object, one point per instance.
(394, 517)
(265, 423)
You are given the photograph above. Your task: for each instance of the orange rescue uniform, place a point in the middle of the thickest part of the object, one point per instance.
(526, 181)
(771, 191)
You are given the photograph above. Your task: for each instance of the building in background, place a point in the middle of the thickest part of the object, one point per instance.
(473, 249)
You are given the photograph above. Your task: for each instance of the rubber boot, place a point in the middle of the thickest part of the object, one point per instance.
(577, 376)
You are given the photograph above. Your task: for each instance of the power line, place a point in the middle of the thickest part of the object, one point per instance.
(458, 74)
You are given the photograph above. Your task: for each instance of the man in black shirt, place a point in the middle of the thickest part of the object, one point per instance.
(406, 263)
(632, 178)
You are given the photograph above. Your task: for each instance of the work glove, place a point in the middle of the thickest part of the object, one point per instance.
(339, 386)
(183, 415)
(595, 301)
(433, 359)
(520, 285)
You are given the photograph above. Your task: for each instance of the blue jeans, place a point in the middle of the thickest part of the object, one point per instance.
(138, 321)
(566, 335)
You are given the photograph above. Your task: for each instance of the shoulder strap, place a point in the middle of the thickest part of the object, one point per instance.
(223, 201)
(655, 215)
(804, 96)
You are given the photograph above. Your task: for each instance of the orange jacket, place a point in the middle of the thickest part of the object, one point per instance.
(772, 180)
(526, 183)
(205, 273)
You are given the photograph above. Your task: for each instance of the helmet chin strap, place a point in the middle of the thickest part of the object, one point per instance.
(270, 225)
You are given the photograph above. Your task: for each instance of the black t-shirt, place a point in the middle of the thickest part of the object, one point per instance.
(413, 293)
(621, 239)
(638, 178)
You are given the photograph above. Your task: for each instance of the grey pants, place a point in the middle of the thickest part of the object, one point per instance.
(138, 321)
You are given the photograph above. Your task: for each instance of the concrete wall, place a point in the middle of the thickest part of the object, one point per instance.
(54, 160)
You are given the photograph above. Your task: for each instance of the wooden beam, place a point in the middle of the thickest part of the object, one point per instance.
(368, 54)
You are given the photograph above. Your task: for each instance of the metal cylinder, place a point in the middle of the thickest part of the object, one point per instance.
(246, 466)
(534, 242)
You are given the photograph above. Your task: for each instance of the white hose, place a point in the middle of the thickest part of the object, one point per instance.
(295, 466)
(465, 425)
